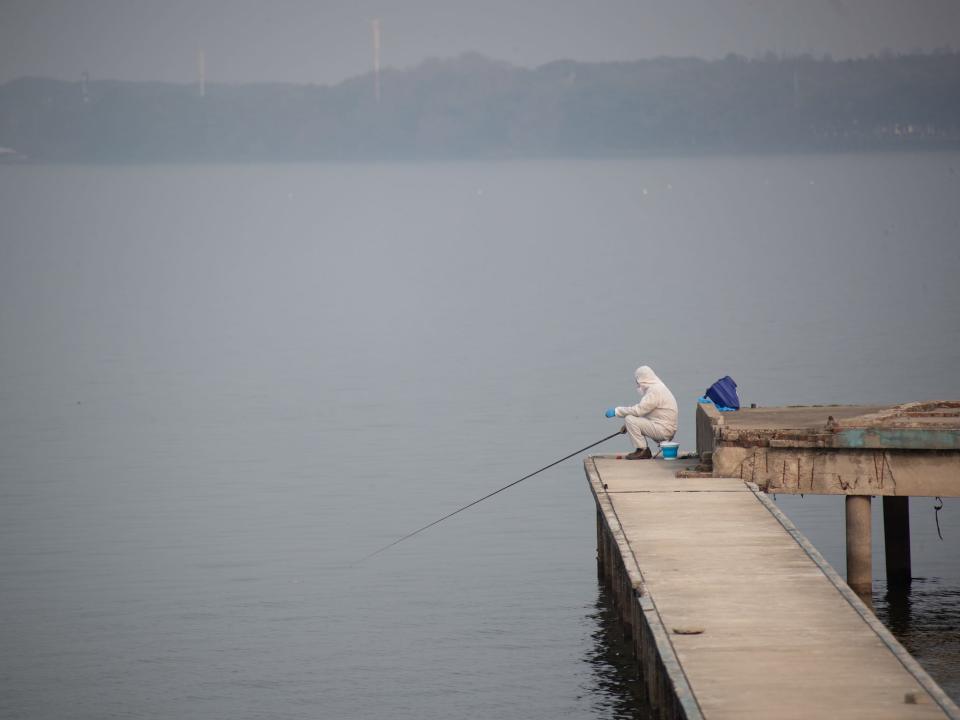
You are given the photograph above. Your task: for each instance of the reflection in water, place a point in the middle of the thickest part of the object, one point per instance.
(925, 618)
(616, 685)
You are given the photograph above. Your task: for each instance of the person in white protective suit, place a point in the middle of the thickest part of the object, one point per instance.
(654, 417)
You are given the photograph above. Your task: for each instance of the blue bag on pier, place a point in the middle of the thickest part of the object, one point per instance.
(724, 393)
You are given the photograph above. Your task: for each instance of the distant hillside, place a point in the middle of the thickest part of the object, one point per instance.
(474, 107)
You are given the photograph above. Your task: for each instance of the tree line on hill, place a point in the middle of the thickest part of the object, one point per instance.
(474, 107)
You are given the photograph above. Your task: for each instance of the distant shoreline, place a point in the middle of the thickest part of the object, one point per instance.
(473, 108)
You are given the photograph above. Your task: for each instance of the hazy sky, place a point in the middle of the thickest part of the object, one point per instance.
(325, 41)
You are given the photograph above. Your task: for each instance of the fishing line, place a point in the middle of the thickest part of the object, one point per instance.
(937, 507)
(621, 431)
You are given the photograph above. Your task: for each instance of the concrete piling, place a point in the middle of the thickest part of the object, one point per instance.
(859, 555)
(896, 540)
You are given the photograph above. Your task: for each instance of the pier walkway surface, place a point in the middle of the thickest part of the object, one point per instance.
(733, 613)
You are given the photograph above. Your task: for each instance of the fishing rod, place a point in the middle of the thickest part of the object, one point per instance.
(621, 431)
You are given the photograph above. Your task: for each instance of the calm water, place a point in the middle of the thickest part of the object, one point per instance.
(221, 386)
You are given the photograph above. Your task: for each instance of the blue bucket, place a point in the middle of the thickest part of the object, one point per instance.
(669, 450)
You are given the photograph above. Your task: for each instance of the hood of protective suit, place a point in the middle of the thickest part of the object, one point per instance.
(646, 378)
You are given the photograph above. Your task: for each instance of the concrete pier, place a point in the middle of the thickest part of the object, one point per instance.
(731, 611)
(859, 451)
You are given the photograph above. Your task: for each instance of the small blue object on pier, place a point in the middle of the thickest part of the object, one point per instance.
(723, 393)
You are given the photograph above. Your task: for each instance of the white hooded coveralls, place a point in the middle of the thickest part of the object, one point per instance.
(655, 416)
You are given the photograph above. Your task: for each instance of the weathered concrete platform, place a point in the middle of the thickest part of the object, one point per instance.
(734, 614)
(906, 450)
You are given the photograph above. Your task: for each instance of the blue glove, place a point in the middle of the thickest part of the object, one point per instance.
(612, 412)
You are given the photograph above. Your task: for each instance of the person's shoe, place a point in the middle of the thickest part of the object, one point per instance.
(639, 454)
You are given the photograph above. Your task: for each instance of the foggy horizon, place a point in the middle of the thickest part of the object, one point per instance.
(246, 41)
(413, 66)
